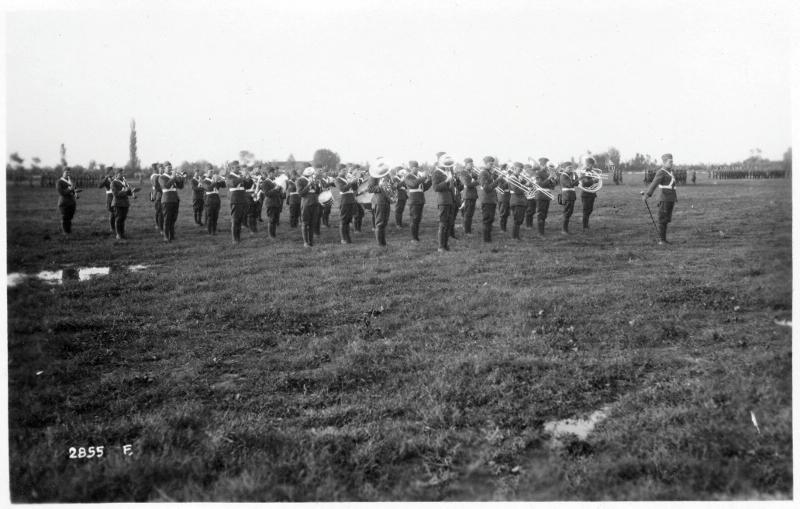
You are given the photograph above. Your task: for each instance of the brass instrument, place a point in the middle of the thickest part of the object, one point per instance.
(594, 174)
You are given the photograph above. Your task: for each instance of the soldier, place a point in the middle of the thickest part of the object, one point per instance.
(470, 183)
(293, 200)
(544, 181)
(444, 186)
(67, 196)
(530, 201)
(347, 186)
(694, 177)
(156, 194)
(380, 200)
(170, 182)
(504, 198)
(518, 202)
(237, 183)
(260, 196)
(308, 188)
(211, 186)
(569, 181)
(488, 195)
(198, 198)
(121, 191)
(327, 183)
(273, 197)
(106, 183)
(665, 181)
(402, 197)
(587, 197)
(359, 210)
(251, 189)
(416, 185)
(457, 188)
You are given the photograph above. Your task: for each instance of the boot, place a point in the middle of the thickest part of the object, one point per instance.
(565, 227)
(347, 235)
(503, 221)
(540, 225)
(272, 230)
(382, 236)
(515, 231)
(442, 237)
(585, 222)
(343, 233)
(662, 233)
(487, 234)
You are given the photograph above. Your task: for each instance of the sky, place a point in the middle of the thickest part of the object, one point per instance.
(706, 81)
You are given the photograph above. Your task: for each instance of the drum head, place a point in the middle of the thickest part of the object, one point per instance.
(324, 197)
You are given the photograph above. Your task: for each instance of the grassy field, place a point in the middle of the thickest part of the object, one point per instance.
(267, 372)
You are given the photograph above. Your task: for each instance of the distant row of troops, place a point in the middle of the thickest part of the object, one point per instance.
(250, 192)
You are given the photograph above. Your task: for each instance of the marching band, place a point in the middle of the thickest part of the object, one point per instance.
(513, 189)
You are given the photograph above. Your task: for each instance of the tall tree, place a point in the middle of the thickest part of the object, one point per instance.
(133, 162)
(326, 158)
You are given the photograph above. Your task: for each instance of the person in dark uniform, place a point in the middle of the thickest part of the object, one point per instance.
(544, 181)
(237, 184)
(67, 196)
(568, 180)
(105, 183)
(198, 198)
(121, 192)
(325, 214)
(347, 186)
(260, 196)
(156, 195)
(273, 196)
(402, 197)
(664, 180)
(694, 177)
(293, 200)
(469, 182)
(319, 180)
(488, 195)
(444, 186)
(212, 183)
(308, 187)
(530, 209)
(170, 182)
(416, 185)
(457, 188)
(381, 205)
(254, 181)
(518, 201)
(504, 200)
(587, 197)
(358, 219)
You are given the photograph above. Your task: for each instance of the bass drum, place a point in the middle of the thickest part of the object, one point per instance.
(362, 196)
(325, 198)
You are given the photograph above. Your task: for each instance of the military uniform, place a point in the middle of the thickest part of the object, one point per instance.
(519, 204)
(237, 185)
(105, 183)
(587, 199)
(157, 195)
(444, 201)
(504, 203)
(121, 191)
(251, 216)
(198, 200)
(569, 182)
(293, 202)
(457, 187)
(530, 208)
(544, 181)
(487, 192)
(326, 208)
(400, 205)
(309, 190)
(347, 206)
(381, 207)
(211, 188)
(170, 202)
(273, 197)
(470, 196)
(664, 180)
(66, 203)
(416, 186)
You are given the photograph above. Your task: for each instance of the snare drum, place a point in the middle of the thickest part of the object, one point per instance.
(325, 198)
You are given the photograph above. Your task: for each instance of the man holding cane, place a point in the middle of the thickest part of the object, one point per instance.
(665, 181)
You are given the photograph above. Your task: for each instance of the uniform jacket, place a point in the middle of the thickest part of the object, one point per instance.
(544, 181)
(236, 188)
(470, 184)
(416, 182)
(291, 192)
(378, 196)
(665, 181)
(504, 186)
(400, 184)
(167, 183)
(211, 187)
(442, 187)
(488, 184)
(273, 193)
(121, 192)
(198, 192)
(346, 191)
(517, 196)
(65, 195)
(569, 183)
(309, 190)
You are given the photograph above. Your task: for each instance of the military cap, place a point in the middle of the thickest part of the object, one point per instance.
(543, 161)
(527, 166)
(413, 164)
(342, 166)
(467, 160)
(518, 164)
(590, 160)
(488, 159)
(666, 157)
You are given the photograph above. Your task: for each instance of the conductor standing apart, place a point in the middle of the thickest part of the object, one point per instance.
(665, 181)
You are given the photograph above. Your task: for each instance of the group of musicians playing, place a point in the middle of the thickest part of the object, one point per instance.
(498, 188)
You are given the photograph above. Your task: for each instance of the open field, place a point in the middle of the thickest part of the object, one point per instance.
(258, 373)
